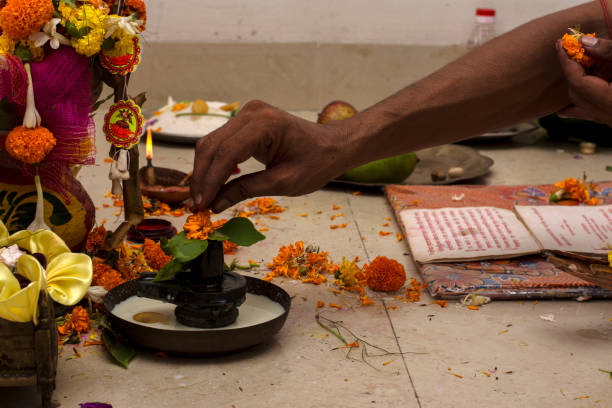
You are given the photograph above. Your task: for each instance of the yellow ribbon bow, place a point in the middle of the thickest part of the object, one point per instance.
(66, 278)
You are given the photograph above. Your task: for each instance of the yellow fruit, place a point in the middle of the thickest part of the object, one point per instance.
(199, 106)
(336, 110)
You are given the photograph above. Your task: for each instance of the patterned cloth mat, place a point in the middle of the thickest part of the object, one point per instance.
(528, 277)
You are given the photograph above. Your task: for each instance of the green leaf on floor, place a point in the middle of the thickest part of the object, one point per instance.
(121, 351)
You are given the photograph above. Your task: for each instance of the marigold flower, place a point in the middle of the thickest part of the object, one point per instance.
(76, 322)
(306, 264)
(123, 44)
(384, 274)
(7, 46)
(199, 225)
(95, 239)
(20, 18)
(93, 19)
(30, 146)
(573, 189)
(156, 257)
(104, 275)
(573, 48)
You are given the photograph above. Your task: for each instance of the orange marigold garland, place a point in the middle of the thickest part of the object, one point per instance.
(573, 48)
(20, 18)
(384, 274)
(30, 146)
(156, 257)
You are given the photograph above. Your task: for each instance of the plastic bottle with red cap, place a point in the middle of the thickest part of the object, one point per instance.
(484, 27)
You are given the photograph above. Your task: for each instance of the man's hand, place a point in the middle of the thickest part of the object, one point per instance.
(591, 95)
(300, 157)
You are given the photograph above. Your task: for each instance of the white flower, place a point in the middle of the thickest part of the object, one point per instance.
(128, 24)
(10, 255)
(49, 33)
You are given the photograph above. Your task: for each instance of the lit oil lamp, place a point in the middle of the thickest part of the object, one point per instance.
(150, 170)
(169, 186)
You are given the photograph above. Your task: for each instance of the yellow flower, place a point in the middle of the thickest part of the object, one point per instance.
(123, 44)
(7, 46)
(94, 18)
(66, 278)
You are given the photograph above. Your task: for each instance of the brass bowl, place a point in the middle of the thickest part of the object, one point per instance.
(166, 188)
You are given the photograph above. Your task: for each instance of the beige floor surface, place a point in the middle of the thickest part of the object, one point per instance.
(530, 362)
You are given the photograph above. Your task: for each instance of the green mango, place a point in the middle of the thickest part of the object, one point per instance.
(391, 170)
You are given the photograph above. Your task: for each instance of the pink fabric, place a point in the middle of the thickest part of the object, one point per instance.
(13, 81)
(62, 89)
(62, 92)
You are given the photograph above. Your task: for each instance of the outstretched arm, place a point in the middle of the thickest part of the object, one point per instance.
(512, 78)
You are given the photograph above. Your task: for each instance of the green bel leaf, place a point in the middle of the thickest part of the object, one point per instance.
(184, 250)
(217, 236)
(241, 231)
(7, 115)
(168, 271)
(122, 352)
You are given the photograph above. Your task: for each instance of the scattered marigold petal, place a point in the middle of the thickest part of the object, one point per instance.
(473, 307)
(356, 193)
(442, 303)
(336, 207)
(399, 237)
(335, 306)
(383, 233)
(320, 304)
(108, 160)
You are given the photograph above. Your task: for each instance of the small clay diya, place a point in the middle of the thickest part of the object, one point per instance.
(152, 228)
(170, 186)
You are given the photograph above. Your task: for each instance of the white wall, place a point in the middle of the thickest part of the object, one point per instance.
(423, 22)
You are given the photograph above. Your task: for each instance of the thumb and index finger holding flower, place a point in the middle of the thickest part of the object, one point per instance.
(587, 70)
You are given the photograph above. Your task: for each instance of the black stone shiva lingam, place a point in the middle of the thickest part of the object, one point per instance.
(206, 296)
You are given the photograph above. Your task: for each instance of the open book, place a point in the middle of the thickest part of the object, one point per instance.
(473, 233)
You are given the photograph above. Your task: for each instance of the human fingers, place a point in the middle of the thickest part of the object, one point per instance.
(573, 71)
(599, 48)
(218, 143)
(573, 111)
(274, 181)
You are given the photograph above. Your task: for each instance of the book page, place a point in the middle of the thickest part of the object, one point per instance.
(585, 229)
(466, 233)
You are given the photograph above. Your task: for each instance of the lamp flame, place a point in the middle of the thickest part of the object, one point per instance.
(149, 144)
